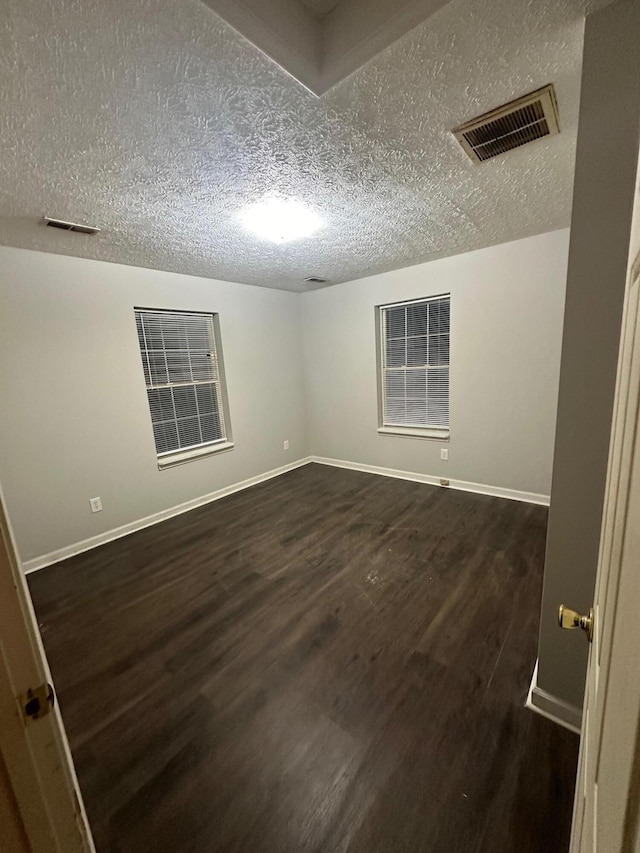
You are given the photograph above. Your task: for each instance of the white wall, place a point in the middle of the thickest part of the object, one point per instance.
(506, 324)
(75, 421)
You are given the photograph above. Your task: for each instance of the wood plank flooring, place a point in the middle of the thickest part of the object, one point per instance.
(328, 662)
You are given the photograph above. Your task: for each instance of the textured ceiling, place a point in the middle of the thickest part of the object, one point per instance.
(155, 121)
(318, 50)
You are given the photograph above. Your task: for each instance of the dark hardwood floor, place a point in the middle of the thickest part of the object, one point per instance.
(329, 661)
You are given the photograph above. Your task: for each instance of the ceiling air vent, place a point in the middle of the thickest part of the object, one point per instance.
(510, 126)
(70, 226)
(314, 279)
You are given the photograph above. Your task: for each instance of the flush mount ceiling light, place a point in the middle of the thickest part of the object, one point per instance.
(281, 221)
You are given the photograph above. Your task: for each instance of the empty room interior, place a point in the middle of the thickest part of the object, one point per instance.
(309, 334)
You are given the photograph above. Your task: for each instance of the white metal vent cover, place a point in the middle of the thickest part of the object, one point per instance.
(517, 123)
(64, 225)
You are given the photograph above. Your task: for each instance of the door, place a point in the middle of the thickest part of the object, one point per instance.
(608, 787)
(38, 777)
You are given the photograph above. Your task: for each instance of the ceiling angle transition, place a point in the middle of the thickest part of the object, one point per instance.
(321, 42)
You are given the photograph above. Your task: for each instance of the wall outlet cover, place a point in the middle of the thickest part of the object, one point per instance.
(95, 504)
(285, 444)
(444, 453)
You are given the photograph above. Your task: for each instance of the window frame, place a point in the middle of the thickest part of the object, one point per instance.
(181, 455)
(433, 432)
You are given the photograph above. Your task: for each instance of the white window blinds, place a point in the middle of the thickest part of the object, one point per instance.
(415, 363)
(182, 374)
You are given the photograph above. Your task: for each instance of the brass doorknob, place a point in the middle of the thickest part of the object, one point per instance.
(569, 619)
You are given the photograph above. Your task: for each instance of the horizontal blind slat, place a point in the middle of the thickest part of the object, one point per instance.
(182, 375)
(415, 363)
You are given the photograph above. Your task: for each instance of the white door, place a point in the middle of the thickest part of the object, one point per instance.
(35, 753)
(608, 787)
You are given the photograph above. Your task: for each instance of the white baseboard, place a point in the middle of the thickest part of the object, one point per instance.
(86, 544)
(462, 485)
(102, 538)
(551, 707)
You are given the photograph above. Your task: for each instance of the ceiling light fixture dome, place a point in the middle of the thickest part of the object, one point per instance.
(281, 220)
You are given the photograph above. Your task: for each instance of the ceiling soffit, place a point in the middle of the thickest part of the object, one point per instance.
(321, 48)
(320, 7)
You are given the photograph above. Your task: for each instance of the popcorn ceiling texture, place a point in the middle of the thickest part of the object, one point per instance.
(155, 121)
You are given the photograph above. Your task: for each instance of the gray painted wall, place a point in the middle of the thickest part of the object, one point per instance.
(506, 309)
(607, 155)
(75, 421)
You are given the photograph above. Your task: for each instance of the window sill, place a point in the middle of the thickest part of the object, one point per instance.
(182, 456)
(409, 432)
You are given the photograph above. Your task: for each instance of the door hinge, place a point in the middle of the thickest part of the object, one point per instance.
(38, 701)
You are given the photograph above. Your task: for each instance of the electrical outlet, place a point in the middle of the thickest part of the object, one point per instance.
(95, 504)
(444, 453)
(285, 444)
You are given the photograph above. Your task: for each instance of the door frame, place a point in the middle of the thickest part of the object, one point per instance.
(603, 679)
(35, 753)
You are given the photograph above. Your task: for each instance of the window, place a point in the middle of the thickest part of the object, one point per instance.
(414, 367)
(183, 374)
